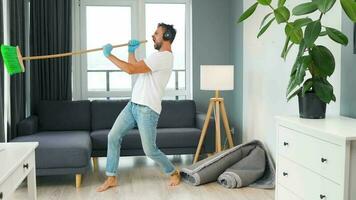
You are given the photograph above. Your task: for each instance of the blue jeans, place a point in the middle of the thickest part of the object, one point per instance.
(146, 120)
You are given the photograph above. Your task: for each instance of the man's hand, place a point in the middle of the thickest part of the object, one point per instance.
(133, 45)
(107, 50)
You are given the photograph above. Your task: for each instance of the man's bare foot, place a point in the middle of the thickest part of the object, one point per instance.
(111, 181)
(175, 178)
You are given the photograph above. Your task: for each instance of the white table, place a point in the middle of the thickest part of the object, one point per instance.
(17, 161)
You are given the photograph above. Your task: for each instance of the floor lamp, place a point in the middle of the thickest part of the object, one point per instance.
(216, 78)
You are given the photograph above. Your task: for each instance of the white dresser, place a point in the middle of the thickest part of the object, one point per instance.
(17, 161)
(316, 159)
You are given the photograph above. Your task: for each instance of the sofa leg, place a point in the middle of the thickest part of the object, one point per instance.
(95, 164)
(78, 180)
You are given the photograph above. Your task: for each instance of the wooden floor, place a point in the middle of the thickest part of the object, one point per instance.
(139, 178)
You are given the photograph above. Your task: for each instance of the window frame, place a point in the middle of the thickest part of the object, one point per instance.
(80, 71)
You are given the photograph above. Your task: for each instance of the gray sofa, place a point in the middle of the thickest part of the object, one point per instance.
(70, 132)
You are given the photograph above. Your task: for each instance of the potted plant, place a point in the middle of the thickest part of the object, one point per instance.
(315, 92)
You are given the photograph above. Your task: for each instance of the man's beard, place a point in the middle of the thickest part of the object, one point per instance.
(158, 45)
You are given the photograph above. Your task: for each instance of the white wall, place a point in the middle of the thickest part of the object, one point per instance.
(266, 75)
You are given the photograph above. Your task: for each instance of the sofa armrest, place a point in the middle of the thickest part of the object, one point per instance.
(209, 141)
(28, 126)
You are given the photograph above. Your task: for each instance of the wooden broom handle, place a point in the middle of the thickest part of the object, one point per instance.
(73, 53)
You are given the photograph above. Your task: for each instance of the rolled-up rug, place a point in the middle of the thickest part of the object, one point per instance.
(209, 169)
(245, 171)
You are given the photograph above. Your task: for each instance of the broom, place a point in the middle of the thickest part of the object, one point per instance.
(13, 59)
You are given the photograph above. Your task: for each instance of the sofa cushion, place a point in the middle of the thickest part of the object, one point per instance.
(166, 138)
(60, 149)
(105, 112)
(178, 137)
(64, 115)
(177, 114)
(174, 114)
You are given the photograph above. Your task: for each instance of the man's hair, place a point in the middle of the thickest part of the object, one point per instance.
(169, 32)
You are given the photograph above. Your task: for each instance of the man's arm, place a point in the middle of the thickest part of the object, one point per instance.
(130, 68)
(132, 58)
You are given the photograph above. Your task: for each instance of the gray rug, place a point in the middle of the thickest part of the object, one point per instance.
(247, 164)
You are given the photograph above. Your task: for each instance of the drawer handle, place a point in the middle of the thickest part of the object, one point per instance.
(323, 160)
(25, 166)
(285, 174)
(322, 196)
(1, 195)
(285, 143)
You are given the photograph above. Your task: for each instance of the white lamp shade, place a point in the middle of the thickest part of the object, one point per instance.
(217, 77)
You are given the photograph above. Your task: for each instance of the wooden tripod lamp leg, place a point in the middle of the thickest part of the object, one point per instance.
(203, 132)
(217, 127)
(226, 125)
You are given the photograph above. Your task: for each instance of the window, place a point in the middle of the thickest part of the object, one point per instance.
(173, 14)
(115, 22)
(102, 74)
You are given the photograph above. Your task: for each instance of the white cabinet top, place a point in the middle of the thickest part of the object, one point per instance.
(332, 127)
(11, 156)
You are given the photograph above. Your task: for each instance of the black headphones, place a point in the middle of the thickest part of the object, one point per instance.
(167, 35)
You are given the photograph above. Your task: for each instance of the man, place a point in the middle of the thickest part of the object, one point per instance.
(145, 106)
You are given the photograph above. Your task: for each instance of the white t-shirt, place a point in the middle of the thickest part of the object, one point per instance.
(149, 87)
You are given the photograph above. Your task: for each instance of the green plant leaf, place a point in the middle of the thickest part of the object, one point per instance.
(298, 72)
(337, 36)
(264, 2)
(248, 13)
(302, 48)
(349, 7)
(294, 94)
(302, 22)
(323, 33)
(333, 98)
(304, 8)
(324, 90)
(315, 71)
(282, 14)
(303, 65)
(324, 5)
(291, 85)
(323, 59)
(286, 52)
(264, 28)
(307, 86)
(311, 33)
(289, 47)
(292, 81)
(281, 3)
(295, 33)
(285, 47)
(264, 19)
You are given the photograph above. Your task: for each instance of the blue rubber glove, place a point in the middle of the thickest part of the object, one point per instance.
(107, 50)
(133, 45)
